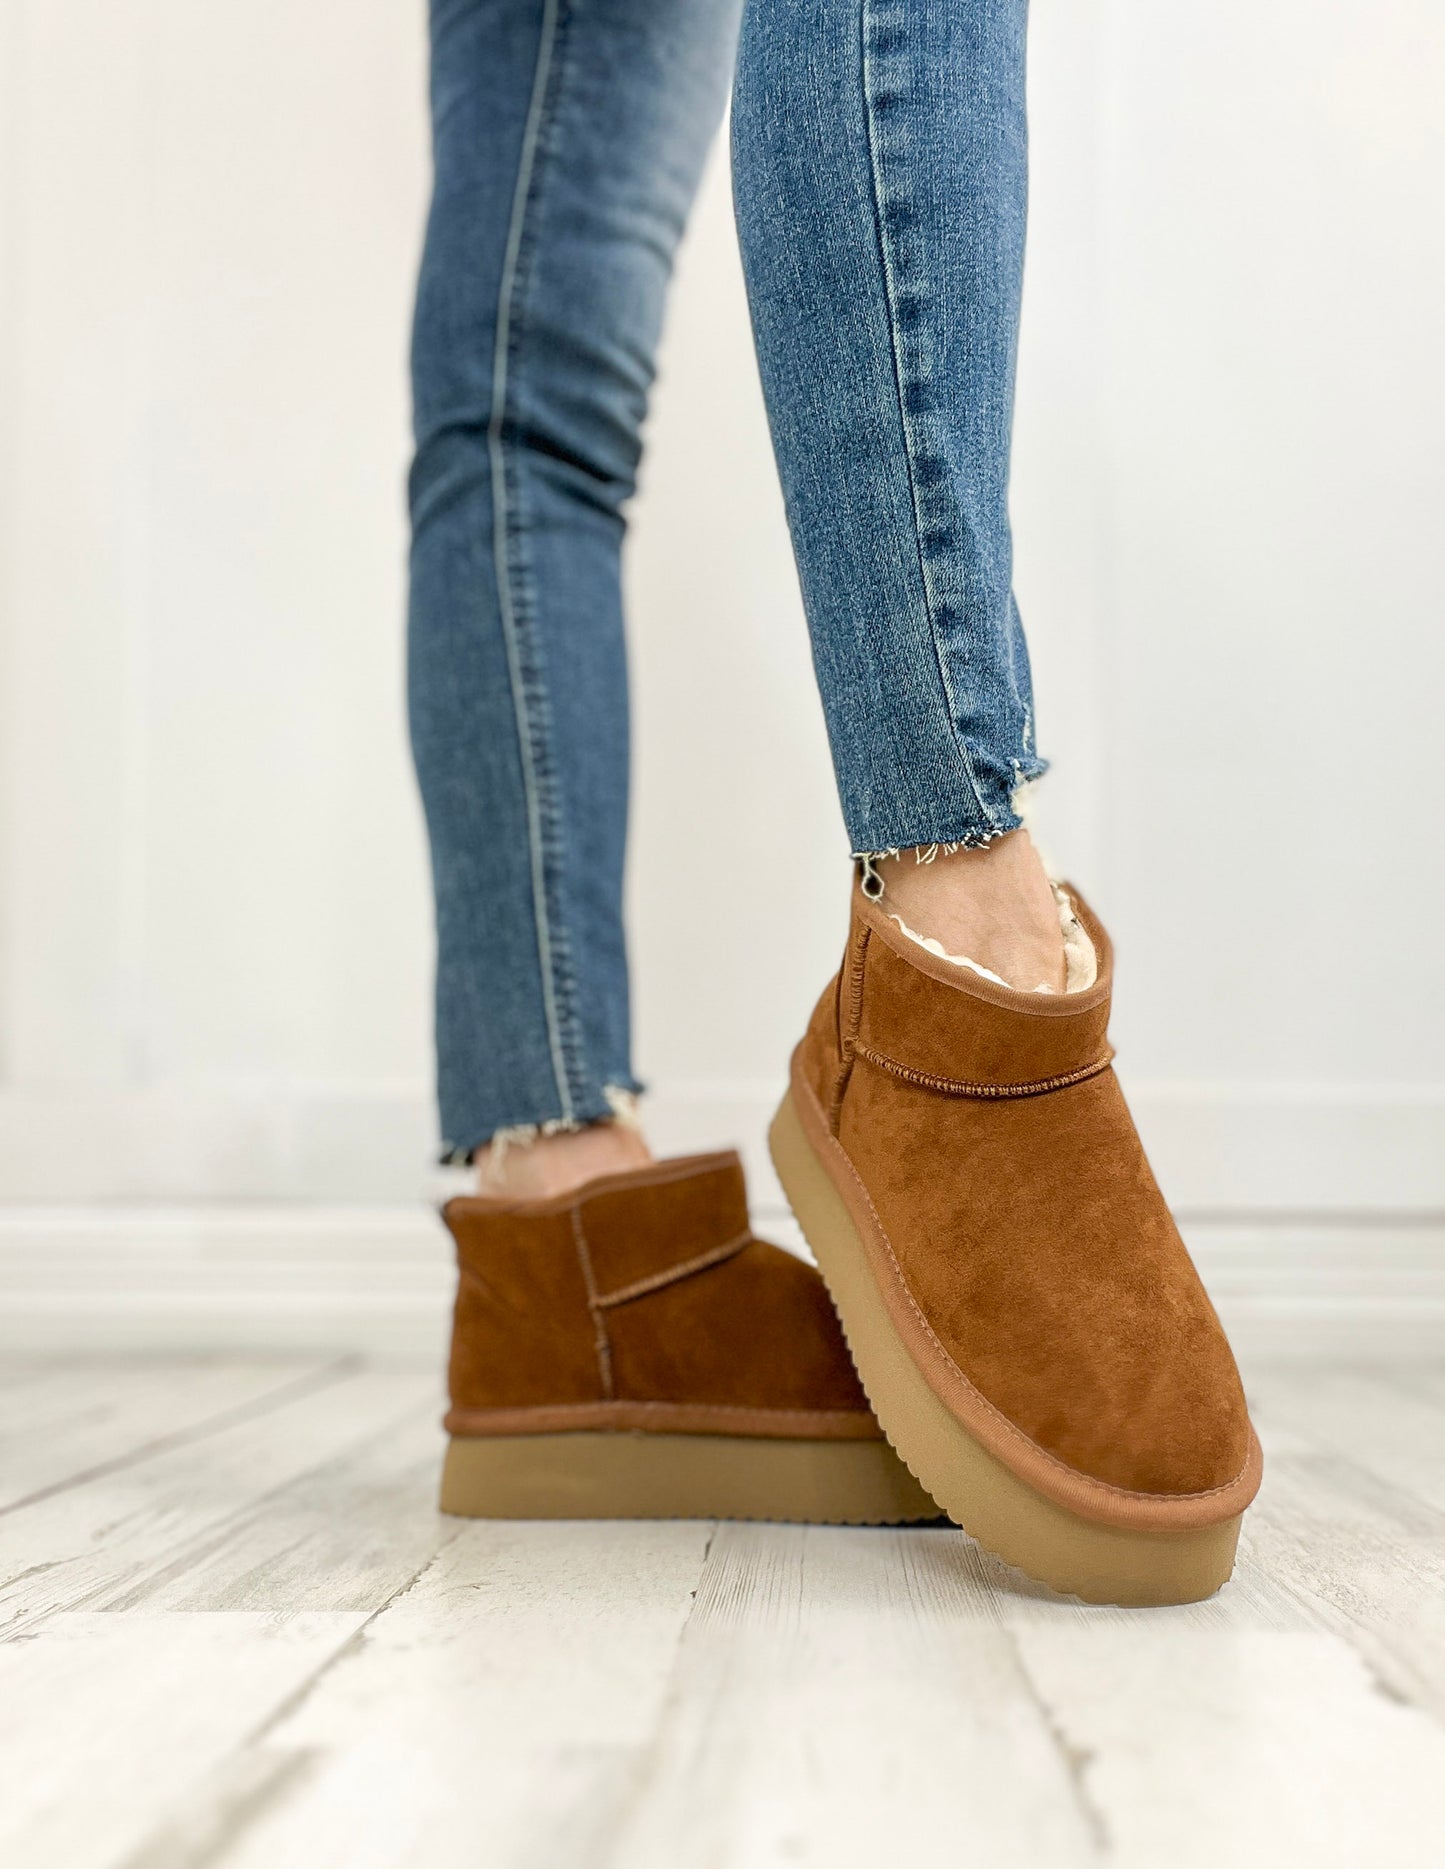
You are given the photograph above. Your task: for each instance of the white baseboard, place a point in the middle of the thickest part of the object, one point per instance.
(378, 1280)
(278, 1217)
(1224, 1148)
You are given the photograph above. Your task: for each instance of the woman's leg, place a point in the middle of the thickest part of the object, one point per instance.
(1023, 1314)
(879, 162)
(568, 143)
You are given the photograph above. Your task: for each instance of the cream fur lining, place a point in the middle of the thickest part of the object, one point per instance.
(1081, 963)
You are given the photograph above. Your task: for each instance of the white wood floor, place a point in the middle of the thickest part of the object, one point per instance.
(234, 1632)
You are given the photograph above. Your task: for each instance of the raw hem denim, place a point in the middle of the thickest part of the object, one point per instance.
(569, 136)
(880, 175)
(879, 166)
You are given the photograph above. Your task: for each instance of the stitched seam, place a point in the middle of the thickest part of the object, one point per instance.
(658, 1281)
(957, 1087)
(847, 1039)
(1013, 1431)
(691, 1408)
(599, 1322)
(910, 444)
(855, 990)
(505, 520)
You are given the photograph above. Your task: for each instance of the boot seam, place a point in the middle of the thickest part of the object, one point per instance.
(848, 1033)
(623, 1416)
(959, 1087)
(673, 1274)
(602, 1340)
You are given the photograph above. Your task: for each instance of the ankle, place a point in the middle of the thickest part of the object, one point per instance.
(533, 1166)
(993, 905)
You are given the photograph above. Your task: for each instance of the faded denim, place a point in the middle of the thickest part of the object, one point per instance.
(879, 170)
(879, 173)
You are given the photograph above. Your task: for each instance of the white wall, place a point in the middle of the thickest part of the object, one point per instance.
(213, 922)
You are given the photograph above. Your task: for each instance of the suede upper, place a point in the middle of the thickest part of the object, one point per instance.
(643, 1300)
(1004, 1172)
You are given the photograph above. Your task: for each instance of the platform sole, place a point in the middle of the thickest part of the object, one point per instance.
(1080, 1557)
(639, 1475)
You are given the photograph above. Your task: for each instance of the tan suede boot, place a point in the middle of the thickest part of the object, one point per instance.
(629, 1350)
(1025, 1318)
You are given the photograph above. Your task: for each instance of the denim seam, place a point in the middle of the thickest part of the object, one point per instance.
(507, 526)
(909, 439)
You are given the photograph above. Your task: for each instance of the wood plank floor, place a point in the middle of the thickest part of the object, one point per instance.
(234, 1633)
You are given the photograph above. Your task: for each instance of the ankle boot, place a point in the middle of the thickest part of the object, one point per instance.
(1027, 1323)
(629, 1350)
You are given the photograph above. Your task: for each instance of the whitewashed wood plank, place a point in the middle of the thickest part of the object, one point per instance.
(495, 1713)
(20, 1370)
(88, 1413)
(847, 1697)
(1363, 1559)
(106, 1720)
(346, 1535)
(76, 1548)
(536, 1694)
(1383, 1419)
(1201, 1747)
(1423, 1376)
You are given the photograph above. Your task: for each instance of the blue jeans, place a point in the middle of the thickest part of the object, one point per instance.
(880, 180)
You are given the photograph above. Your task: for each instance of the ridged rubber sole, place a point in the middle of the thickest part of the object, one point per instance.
(640, 1475)
(1077, 1556)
